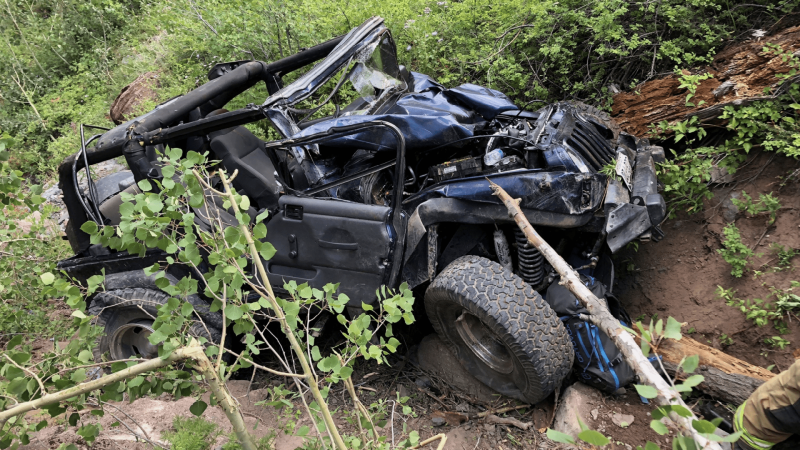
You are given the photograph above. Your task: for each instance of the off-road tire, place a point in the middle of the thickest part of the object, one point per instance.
(600, 116)
(517, 315)
(116, 308)
(590, 112)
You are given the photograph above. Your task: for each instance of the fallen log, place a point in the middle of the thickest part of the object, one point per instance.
(727, 378)
(741, 73)
(602, 318)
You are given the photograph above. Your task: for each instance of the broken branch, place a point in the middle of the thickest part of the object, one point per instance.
(601, 316)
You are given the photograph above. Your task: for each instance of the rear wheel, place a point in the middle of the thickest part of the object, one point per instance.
(501, 330)
(127, 316)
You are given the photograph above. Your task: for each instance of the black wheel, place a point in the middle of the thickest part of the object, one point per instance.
(127, 315)
(501, 330)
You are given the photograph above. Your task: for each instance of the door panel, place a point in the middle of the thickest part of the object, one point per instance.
(322, 241)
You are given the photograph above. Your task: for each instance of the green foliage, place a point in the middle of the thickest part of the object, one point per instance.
(64, 62)
(610, 170)
(777, 342)
(734, 252)
(784, 255)
(690, 83)
(778, 312)
(27, 255)
(766, 203)
(191, 433)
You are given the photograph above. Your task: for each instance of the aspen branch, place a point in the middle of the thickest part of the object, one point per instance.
(310, 379)
(601, 316)
(194, 351)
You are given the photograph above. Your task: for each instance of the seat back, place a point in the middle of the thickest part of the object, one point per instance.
(241, 150)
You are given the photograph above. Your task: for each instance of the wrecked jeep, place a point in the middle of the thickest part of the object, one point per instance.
(392, 187)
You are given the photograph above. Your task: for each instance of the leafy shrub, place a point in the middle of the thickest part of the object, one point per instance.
(734, 252)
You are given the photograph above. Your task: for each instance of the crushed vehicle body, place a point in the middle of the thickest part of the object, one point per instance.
(392, 187)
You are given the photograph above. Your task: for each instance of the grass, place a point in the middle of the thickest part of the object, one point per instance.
(197, 433)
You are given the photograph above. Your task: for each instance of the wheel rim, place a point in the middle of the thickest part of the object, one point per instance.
(131, 340)
(484, 344)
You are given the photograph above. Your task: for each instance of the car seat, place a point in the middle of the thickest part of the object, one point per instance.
(241, 150)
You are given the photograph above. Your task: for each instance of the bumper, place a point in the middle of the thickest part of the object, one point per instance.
(636, 213)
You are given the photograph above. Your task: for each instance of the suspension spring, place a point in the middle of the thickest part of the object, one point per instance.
(530, 262)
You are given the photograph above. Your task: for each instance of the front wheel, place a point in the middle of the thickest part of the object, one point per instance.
(499, 328)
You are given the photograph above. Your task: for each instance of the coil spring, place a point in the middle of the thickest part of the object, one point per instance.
(530, 262)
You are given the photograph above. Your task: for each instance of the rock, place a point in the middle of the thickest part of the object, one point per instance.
(423, 382)
(403, 391)
(435, 357)
(437, 421)
(132, 96)
(720, 175)
(462, 407)
(622, 420)
(729, 210)
(575, 402)
(53, 195)
(724, 88)
(594, 414)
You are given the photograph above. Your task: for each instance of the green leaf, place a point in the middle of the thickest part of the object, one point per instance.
(690, 363)
(198, 408)
(703, 426)
(557, 436)
(145, 185)
(646, 391)
(136, 381)
(15, 341)
(244, 203)
(303, 430)
(260, 231)
(260, 218)
(673, 329)
(593, 437)
(233, 312)
(658, 427)
(267, 251)
(694, 380)
(47, 278)
(89, 227)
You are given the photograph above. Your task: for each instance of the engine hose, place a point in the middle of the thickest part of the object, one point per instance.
(530, 262)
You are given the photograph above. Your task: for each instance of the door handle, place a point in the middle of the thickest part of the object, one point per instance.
(339, 245)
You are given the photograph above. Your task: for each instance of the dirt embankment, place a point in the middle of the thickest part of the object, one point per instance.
(741, 72)
(680, 275)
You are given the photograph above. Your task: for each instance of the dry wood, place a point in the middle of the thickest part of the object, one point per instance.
(601, 316)
(491, 418)
(741, 72)
(728, 379)
(673, 351)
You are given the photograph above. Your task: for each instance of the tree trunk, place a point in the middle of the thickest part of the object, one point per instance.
(741, 73)
(727, 379)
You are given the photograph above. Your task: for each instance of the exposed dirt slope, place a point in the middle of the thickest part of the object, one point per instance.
(679, 276)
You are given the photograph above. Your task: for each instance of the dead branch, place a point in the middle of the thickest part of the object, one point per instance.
(491, 418)
(601, 316)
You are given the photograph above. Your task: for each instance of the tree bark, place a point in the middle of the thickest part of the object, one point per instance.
(741, 74)
(727, 379)
(601, 316)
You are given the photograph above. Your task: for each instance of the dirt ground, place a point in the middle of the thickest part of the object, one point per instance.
(679, 276)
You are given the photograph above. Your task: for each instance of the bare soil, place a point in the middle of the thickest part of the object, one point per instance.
(680, 275)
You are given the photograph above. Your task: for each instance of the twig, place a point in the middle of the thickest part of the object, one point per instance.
(491, 418)
(33, 374)
(135, 434)
(501, 410)
(431, 439)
